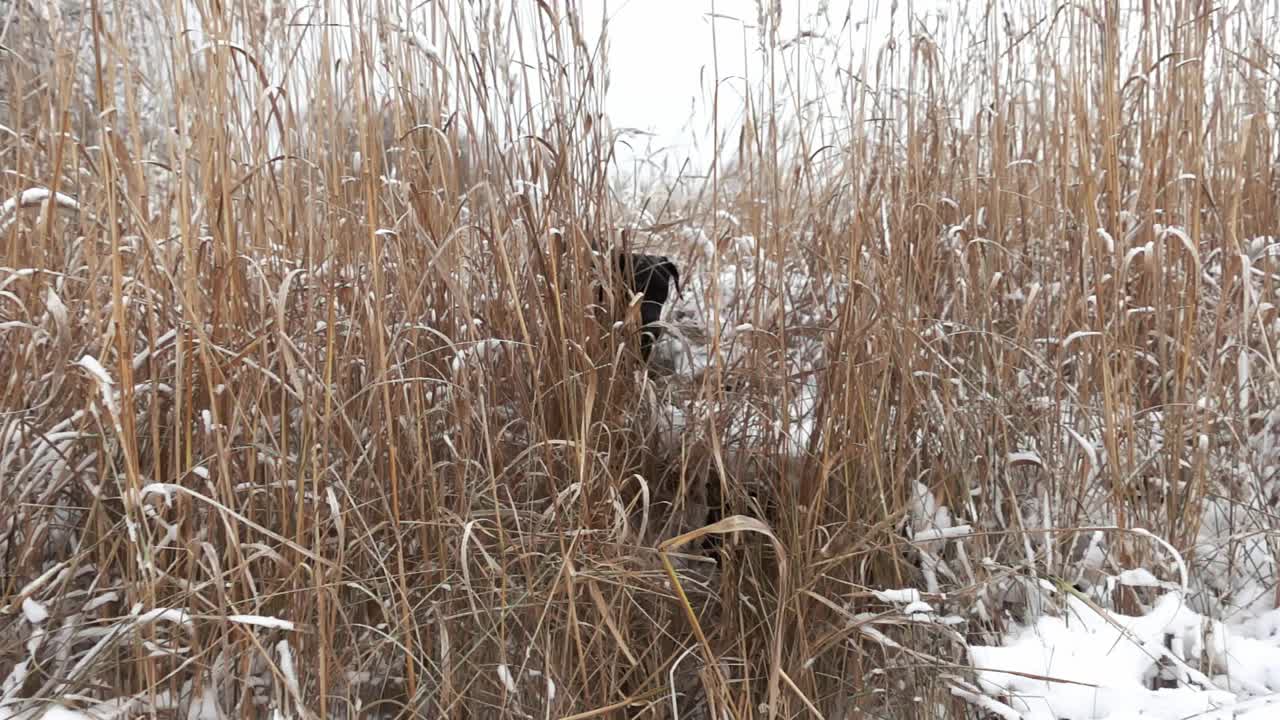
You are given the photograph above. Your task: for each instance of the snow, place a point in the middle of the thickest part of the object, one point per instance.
(174, 615)
(29, 198)
(58, 712)
(917, 608)
(930, 520)
(99, 373)
(943, 533)
(903, 596)
(288, 670)
(99, 601)
(474, 352)
(504, 674)
(1141, 577)
(204, 704)
(165, 490)
(1025, 457)
(38, 583)
(1089, 663)
(34, 612)
(105, 386)
(262, 621)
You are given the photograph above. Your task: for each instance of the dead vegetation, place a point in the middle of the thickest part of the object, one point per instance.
(304, 403)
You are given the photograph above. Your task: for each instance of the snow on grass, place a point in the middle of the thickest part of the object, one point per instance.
(30, 198)
(931, 518)
(904, 596)
(289, 671)
(262, 621)
(1090, 663)
(34, 612)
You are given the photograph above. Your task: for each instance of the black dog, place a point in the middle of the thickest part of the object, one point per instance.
(652, 276)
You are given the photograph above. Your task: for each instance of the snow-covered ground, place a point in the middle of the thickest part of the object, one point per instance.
(1170, 663)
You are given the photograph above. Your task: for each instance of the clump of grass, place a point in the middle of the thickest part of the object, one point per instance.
(307, 401)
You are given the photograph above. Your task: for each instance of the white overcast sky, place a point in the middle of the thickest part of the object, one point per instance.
(662, 61)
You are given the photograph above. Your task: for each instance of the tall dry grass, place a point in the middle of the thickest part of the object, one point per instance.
(305, 405)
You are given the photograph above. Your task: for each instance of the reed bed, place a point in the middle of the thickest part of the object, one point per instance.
(309, 404)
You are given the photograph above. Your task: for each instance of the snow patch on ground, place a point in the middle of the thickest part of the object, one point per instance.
(1089, 663)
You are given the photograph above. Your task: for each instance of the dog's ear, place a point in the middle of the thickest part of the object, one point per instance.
(673, 273)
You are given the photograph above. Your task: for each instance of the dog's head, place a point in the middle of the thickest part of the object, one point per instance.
(652, 276)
